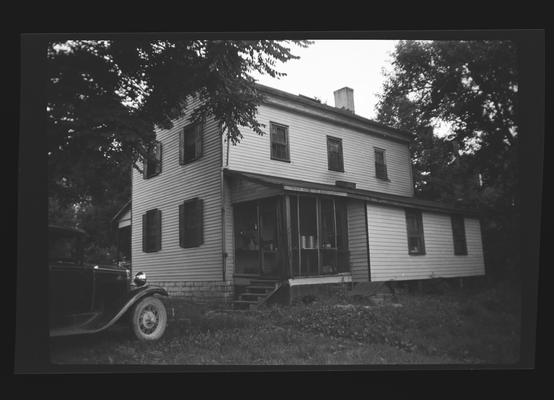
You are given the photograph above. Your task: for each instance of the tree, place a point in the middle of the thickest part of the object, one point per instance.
(471, 87)
(104, 99)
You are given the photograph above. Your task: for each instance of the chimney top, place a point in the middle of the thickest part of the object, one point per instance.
(344, 98)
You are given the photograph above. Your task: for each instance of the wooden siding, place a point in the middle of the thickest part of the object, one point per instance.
(357, 241)
(388, 247)
(308, 154)
(167, 191)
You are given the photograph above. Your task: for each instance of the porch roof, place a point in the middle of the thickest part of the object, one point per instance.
(295, 185)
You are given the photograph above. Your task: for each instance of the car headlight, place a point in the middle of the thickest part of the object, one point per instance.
(140, 279)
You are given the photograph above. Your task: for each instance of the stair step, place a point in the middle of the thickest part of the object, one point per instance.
(266, 287)
(247, 296)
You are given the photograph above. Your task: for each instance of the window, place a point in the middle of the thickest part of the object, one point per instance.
(414, 226)
(153, 162)
(334, 154)
(152, 231)
(459, 234)
(279, 137)
(190, 143)
(380, 165)
(190, 223)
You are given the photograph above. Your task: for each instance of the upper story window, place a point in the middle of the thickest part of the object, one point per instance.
(414, 227)
(152, 231)
(190, 143)
(153, 162)
(191, 223)
(380, 164)
(459, 234)
(279, 138)
(334, 154)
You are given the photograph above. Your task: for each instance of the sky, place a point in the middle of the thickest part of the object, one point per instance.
(328, 65)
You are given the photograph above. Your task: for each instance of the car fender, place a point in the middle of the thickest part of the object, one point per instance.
(110, 317)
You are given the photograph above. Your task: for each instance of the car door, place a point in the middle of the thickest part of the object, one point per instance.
(70, 280)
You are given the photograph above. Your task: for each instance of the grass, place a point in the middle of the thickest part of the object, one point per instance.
(454, 327)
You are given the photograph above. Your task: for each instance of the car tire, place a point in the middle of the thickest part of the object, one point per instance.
(149, 319)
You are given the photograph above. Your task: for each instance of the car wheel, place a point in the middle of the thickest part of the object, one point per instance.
(149, 319)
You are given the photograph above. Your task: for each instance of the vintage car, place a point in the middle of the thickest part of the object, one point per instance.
(88, 298)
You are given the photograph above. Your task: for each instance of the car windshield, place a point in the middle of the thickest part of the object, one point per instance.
(64, 247)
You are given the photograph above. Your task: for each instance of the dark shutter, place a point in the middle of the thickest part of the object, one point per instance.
(152, 231)
(145, 233)
(157, 230)
(152, 165)
(158, 158)
(191, 215)
(198, 141)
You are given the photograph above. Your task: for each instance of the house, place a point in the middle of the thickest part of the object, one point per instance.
(326, 197)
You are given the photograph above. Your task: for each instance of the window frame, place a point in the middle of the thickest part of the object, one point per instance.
(154, 155)
(457, 240)
(420, 234)
(340, 168)
(198, 129)
(148, 224)
(384, 164)
(271, 141)
(185, 240)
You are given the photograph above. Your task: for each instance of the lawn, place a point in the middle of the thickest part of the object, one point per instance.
(454, 326)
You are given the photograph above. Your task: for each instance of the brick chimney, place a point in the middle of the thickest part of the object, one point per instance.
(344, 98)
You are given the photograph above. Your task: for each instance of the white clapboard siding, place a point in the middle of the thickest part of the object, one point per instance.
(167, 191)
(308, 154)
(357, 241)
(388, 247)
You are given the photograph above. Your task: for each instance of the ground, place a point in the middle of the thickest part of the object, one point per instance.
(436, 325)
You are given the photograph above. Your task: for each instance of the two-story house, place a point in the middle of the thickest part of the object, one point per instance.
(325, 197)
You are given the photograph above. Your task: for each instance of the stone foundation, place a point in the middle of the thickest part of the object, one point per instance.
(199, 291)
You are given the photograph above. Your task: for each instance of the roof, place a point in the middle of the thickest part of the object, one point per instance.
(66, 229)
(294, 185)
(345, 114)
(122, 210)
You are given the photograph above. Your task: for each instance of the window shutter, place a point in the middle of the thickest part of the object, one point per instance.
(157, 229)
(145, 233)
(199, 213)
(145, 168)
(191, 216)
(198, 141)
(182, 225)
(158, 154)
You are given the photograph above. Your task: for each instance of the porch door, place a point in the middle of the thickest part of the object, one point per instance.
(269, 237)
(259, 243)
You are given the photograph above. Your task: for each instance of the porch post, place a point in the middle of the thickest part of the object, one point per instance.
(288, 231)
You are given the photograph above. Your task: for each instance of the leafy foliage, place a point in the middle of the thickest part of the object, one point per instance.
(471, 87)
(106, 97)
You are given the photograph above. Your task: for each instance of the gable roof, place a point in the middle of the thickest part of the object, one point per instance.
(121, 211)
(307, 106)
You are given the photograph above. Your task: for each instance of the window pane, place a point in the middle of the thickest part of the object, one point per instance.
(379, 157)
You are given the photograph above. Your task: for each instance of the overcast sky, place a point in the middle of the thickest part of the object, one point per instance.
(328, 65)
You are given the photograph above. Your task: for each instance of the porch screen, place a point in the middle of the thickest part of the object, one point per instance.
(319, 236)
